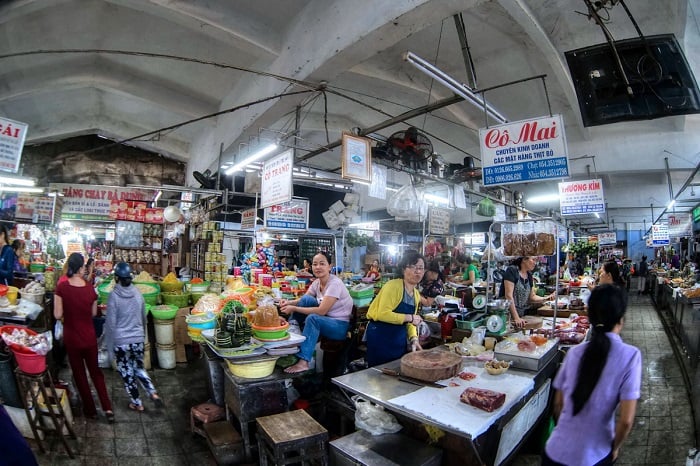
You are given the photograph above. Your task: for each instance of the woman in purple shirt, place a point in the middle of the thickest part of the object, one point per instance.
(594, 379)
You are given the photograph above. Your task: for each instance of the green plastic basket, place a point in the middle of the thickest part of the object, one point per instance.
(176, 299)
(164, 311)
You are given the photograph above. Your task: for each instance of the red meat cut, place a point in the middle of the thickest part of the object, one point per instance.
(481, 398)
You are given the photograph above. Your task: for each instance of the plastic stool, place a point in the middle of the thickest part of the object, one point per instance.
(204, 413)
(292, 437)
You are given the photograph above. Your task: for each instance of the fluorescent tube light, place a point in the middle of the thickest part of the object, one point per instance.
(671, 204)
(256, 156)
(455, 86)
(597, 215)
(158, 194)
(13, 180)
(543, 199)
(21, 189)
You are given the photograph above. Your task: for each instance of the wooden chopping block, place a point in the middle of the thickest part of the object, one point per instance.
(532, 322)
(430, 365)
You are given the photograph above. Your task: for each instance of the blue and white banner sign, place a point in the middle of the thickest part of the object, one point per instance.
(581, 197)
(659, 235)
(524, 151)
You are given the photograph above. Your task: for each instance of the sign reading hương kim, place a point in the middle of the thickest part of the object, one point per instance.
(581, 197)
(527, 150)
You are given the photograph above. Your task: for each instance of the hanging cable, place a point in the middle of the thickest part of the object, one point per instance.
(432, 80)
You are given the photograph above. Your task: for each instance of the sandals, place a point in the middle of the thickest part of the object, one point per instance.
(110, 417)
(137, 408)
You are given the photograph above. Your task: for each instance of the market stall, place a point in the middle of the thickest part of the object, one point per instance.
(472, 436)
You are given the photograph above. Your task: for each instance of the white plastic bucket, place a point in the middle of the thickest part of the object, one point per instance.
(166, 356)
(165, 334)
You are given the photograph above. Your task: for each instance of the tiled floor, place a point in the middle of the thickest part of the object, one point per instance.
(155, 437)
(663, 429)
(662, 434)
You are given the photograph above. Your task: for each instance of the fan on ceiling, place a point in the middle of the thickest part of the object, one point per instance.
(206, 179)
(411, 147)
(465, 173)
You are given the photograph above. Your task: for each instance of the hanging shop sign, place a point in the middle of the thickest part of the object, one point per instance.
(581, 197)
(659, 235)
(292, 215)
(34, 209)
(475, 239)
(356, 158)
(523, 151)
(680, 225)
(608, 237)
(696, 214)
(92, 202)
(248, 218)
(12, 136)
(276, 184)
(439, 221)
(135, 211)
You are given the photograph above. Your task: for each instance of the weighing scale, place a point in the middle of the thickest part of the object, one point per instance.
(497, 321)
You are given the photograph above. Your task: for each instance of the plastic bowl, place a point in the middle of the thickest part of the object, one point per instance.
(198, 287)
(270, 333)
(254, 369)
(200, 321)
(496, 367)
(164, 311)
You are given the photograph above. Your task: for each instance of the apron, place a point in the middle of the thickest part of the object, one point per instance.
(521, 294)
(387, 342)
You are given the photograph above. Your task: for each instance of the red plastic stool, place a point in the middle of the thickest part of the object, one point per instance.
(204, 413)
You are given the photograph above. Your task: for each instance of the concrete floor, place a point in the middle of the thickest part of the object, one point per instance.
(663, 431)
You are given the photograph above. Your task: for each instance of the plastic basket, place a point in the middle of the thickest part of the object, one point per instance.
(30, 362)
(10, 328)
(37, 298)
(164, 311)
(39, 268)
(362, 302)
(170, 287)
(176, 299)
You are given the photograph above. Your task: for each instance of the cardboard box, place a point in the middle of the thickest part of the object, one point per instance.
(19, 419)
(180, 327)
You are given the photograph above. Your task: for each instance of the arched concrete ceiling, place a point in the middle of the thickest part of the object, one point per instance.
(124, 68)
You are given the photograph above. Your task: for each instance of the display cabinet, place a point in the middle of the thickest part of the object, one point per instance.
(140, 245)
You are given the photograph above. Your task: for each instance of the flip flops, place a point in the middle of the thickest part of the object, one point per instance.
(110, 417)
(137, 408)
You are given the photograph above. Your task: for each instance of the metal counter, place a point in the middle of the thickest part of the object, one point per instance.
(495, 446)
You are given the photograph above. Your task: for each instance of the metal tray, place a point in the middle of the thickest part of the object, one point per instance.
(520, 360)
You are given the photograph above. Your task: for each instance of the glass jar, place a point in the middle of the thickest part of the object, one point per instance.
(50, 279)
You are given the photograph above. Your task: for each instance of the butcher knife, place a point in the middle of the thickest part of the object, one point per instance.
(411, 380)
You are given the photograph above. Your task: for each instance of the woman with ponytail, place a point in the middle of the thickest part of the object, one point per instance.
(595, 378)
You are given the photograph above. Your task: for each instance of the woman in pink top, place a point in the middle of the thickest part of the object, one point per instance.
(324, 310)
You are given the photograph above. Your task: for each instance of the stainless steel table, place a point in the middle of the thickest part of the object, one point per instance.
(495, 446)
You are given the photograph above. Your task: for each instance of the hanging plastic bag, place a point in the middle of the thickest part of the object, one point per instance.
(58, 330)
(373, 419)
(486, 208)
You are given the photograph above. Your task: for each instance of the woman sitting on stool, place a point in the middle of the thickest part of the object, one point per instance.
(324, 310)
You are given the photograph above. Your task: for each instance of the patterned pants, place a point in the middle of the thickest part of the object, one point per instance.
(130, 367)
